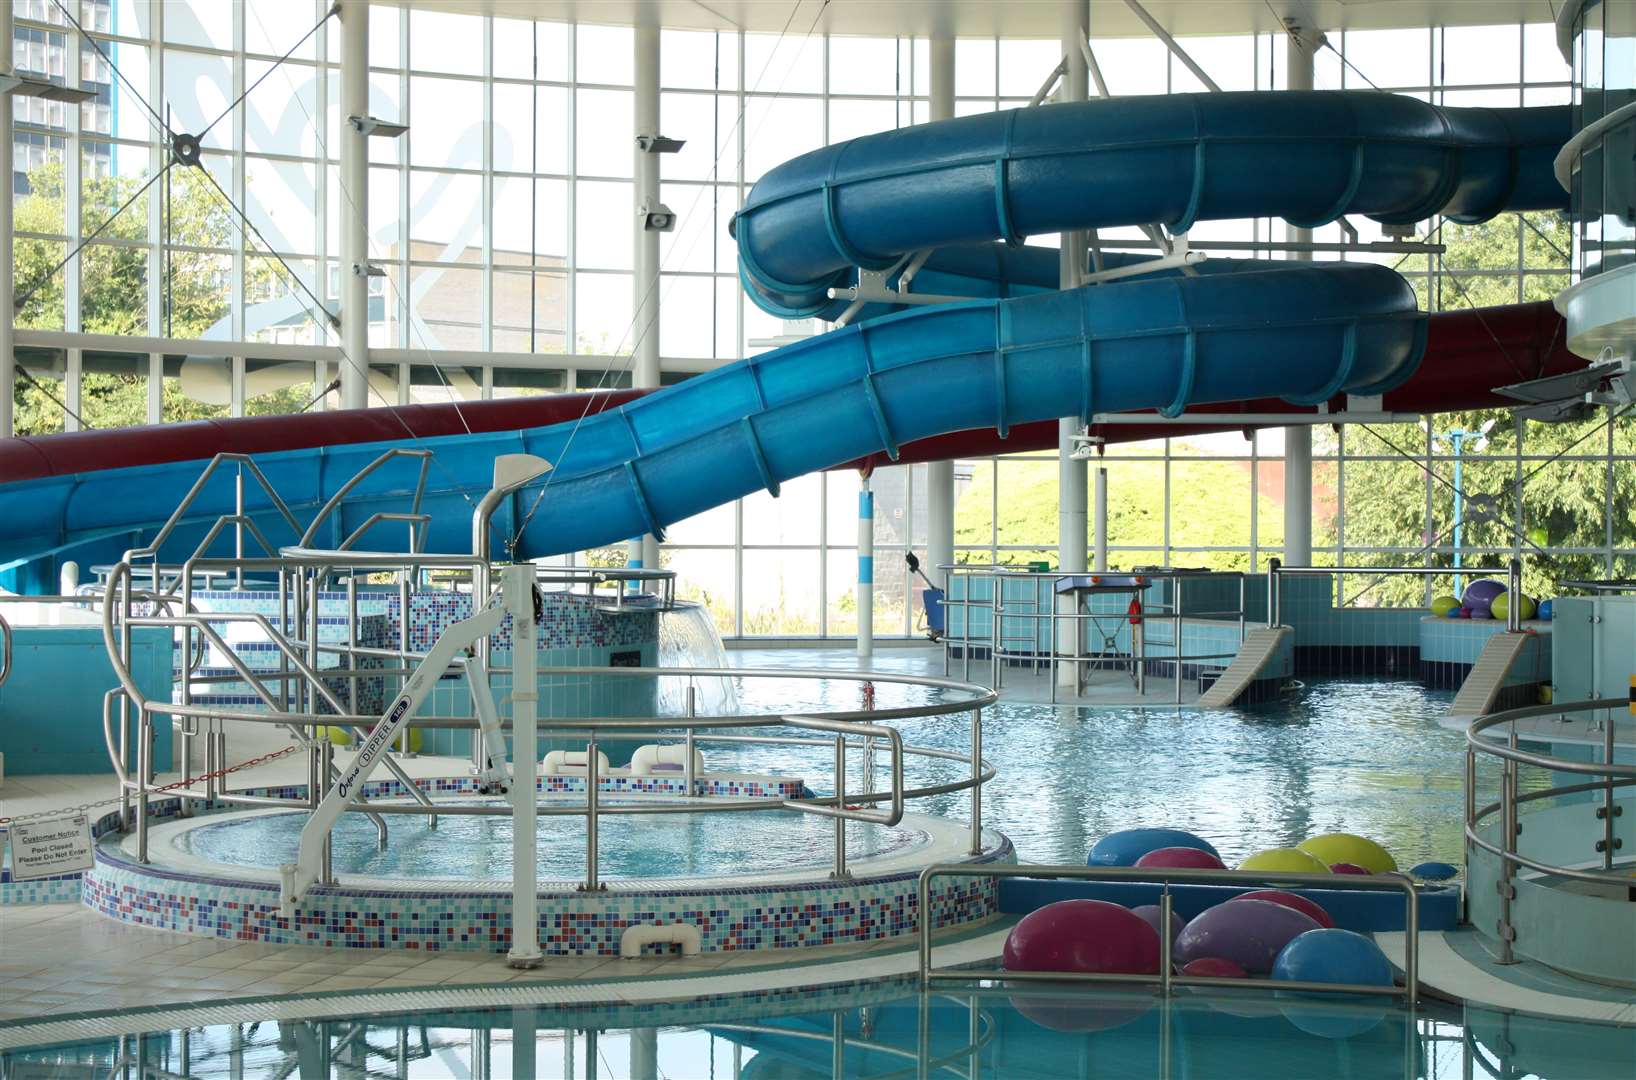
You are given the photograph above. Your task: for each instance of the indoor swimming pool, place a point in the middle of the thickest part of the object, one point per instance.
(869, 1031)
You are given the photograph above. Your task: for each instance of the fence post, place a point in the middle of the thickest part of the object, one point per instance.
(840, 870)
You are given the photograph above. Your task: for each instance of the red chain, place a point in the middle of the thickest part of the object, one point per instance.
(185, 782)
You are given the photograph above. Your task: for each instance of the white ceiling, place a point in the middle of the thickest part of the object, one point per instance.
(1008, 18)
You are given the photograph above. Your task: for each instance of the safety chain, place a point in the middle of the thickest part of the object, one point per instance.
(172, 786)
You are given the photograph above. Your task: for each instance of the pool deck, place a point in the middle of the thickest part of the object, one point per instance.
(112, 978)
(1453, 965)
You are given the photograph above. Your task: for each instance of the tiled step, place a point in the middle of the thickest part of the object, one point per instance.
(1487, 678)
(1258, 648)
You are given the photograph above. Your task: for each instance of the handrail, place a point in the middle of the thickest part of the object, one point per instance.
(244, 460)
(1568, 158)
(1045, 610)
(358, 477)
(845, 731)
(1276, 570)
(1612, 775)
(5, 650)
(1166, 978)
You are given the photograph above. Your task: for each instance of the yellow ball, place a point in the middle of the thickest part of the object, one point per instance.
(1342, 847)
(1285, 861)
(338, 736)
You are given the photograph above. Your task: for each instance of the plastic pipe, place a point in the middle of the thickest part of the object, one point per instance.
(635, 938)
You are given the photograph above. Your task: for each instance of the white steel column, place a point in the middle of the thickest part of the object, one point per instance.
(1099, 529)
(645, 282)
(1072, 475)
(518, 593)
(354, 208)
(644, 1053)
(940, 474)
(1298, 50)
(866, 570)
(8, 373)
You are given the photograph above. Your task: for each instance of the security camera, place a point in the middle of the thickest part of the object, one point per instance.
(658, 218)
(659, 144)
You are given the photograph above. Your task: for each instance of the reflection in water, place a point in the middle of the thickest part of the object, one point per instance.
(884, 1030)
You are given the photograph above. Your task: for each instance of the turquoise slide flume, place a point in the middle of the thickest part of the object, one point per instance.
(1299, 332)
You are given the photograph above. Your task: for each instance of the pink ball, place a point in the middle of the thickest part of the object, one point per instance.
(1309, 908)
(1083, 935)
(1248, 932)
(1181, 857)
(1214, 967)
(1346, 868)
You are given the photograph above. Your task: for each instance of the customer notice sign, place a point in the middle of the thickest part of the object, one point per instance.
(48, 848)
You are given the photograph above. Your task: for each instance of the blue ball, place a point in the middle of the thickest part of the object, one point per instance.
(1434, 871)
(1123, 848)
(1333, 956)
(1544, 611)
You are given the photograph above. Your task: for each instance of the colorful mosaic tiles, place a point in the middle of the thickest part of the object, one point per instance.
(744, 916)
(566, 622)
(819, 912)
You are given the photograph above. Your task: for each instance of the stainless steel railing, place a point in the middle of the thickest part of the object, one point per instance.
(5, 650)
(1166, 978)
(1063, 627)
(1483, 738)
(843, 733)
(1277, 571)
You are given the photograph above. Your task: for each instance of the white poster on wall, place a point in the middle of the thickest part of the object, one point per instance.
(48, 848)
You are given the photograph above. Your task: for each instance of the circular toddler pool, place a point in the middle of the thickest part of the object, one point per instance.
(747, 879)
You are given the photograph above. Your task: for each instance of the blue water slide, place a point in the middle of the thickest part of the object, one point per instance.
(1308, 157)
(1019, 354)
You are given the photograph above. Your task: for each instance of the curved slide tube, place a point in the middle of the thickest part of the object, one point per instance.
(1301, 334)
(1306, 156)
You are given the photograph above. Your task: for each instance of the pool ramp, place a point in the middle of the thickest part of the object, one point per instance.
(1255, 652)
(1481, 690)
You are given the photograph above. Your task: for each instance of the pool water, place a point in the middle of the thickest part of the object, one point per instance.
(467, 847)
(1091, 1034)
(1357, 755)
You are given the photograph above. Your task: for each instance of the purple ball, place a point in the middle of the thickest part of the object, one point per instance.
(1480, 596)
(1248, 932)
(1149, 913)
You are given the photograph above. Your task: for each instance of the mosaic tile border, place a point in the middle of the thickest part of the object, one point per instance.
(777, 915)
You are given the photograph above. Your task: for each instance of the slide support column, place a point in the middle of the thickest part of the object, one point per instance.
(644, 551)
(1071, 475)
(1298, 49)
(940, 474)
(354, 208)
(866, 571)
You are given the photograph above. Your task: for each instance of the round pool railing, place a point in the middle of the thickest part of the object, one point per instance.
(1597, 832)
(301, 697)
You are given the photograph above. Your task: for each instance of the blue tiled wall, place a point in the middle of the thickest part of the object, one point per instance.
(1461, 641)
(51, 706)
